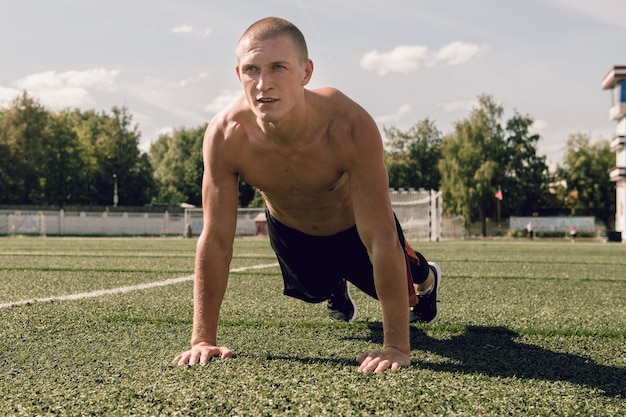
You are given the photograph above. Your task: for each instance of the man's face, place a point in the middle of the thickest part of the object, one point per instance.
(273, 76)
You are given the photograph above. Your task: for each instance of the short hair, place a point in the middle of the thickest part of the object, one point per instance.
(271, 27)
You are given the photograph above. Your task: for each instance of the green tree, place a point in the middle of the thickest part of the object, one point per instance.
(412, 156)
(63, 166)
(22, 137)
(178, 167)
(585, 170)
(177, 162)
(109, 144)
(470, 166)
(6, 179)
(249, 196)
(526, 173)
(117, 152)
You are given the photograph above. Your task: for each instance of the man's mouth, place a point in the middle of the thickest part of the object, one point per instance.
(263, 100)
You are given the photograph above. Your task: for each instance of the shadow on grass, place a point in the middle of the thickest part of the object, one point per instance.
(493, 351)
(342, 362)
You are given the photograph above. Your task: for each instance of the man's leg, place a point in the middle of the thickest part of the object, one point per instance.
(423, 277)
(426, 277)
(425, 310)
(309, 269)
(341, 306)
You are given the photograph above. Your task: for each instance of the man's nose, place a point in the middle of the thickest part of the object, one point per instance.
(265, 81)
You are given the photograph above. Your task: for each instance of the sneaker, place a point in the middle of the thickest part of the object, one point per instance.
(425, 310)
(341, 306)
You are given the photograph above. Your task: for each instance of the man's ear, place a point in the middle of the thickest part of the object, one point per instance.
(308, 72)
(237, 72)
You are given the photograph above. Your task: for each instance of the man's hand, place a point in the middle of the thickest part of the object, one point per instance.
(201, 353)
(389, 358)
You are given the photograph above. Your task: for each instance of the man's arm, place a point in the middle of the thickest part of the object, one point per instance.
(213, 250)
(369, 189)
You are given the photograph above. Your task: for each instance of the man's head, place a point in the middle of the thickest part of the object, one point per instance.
(273, 68)
(272, 27)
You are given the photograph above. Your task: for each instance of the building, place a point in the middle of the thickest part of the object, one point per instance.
(615, 81)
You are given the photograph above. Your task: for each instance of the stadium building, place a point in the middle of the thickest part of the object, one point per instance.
(615, 81)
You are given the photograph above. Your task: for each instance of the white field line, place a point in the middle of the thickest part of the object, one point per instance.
(121, 290)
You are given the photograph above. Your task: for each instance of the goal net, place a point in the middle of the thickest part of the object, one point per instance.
(419, 212)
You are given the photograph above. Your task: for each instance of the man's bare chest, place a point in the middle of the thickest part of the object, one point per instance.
(303, 170)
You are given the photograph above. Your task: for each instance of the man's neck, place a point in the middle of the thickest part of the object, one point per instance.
(289, 129)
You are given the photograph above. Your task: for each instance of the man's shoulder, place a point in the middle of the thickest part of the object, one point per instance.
(327, 94)
(337, 105)
(229, 121)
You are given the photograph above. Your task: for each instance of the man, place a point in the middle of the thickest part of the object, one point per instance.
(317, 158)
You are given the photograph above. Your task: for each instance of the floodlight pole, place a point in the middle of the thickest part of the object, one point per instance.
(115, 197)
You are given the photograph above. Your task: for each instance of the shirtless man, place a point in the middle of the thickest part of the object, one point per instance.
(317, 158)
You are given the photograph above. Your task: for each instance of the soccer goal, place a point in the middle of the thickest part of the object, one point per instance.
(419, 212)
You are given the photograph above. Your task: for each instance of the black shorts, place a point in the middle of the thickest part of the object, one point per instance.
(313, 267)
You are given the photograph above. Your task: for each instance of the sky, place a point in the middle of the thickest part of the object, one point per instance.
(172, 63)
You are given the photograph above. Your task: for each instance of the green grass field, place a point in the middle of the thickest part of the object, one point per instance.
(524, 329)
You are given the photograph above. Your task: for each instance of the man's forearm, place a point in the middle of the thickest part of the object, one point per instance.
(390, 281)
(211, 277)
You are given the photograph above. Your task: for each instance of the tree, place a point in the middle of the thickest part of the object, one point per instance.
(526, 174)
(117, 153)
(586, 172)
(471, 166)
(110, 146)
(177, 162)
(63, 166)
(178, 167)
(413, 155)
(22, 135)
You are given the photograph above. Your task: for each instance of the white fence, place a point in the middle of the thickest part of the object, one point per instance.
(554, 224)
(104, 223)
(419, 213)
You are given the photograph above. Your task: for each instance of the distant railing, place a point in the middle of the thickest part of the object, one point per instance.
(417, 218)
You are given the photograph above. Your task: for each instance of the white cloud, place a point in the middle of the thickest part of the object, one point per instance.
(538, 126)
(457, 53)
(403, 59)
(190, 30)
(7, 95)
(459, 105)
(182, 29)
(395, 116)
(165, 131)
(96, 77)
(65, 97)
(67, 89)
(222, 100)
(406, 59)
(197, 78)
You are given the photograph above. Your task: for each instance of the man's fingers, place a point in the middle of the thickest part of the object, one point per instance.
(225, 353)
(369, 362)
(202, 355)
(362, 357)
(182, 359)
(378, 362)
